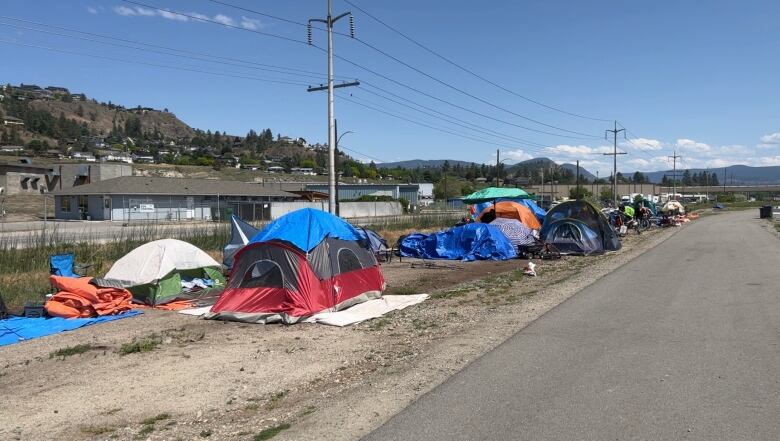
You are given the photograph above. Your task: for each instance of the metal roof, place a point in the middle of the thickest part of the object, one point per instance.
(134, 185)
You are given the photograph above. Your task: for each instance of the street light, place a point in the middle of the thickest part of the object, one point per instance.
(336, 166)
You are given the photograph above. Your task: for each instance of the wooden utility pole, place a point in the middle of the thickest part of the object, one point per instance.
(674, 171)
(614, 154)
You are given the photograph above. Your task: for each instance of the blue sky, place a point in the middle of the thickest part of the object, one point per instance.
(696, 77)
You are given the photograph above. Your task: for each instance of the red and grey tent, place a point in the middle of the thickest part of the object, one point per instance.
(305, 262)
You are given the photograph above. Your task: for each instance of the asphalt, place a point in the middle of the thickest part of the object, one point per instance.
(682, 343)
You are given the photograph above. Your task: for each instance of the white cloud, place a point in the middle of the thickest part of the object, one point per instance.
(767, 160)
(576, 150)
(692, 146)
(517, 155)
(172, 16)
(770, 141)
(645, 144)
(125, 11)
(92, 10)
(250, 23)
(224, 19)
(138, 11)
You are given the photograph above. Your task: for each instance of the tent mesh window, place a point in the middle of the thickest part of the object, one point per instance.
(348, 261)
(263, 273)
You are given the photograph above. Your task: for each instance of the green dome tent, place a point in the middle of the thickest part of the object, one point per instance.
(154, 271)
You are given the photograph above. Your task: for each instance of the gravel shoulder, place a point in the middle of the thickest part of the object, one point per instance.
(221, 380)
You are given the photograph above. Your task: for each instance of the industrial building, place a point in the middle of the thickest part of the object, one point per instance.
(140, 198)
(23, 177)
(350, 192)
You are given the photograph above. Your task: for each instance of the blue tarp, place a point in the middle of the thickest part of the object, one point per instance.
(16, 329)
(306, 228)
(529, 203)
(466, 242)
(240, 233)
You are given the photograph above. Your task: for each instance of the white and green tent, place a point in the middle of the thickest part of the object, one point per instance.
(154, 271)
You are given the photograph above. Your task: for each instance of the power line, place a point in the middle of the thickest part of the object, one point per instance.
(163, 52)
(476, 75)
(141, 43)
(421, 72)
(459, 122)
(264, 14)
(342, 146)
(66, 51)
(417, 122)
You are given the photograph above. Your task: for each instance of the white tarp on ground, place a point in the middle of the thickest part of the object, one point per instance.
(154, 260)
(355, 314)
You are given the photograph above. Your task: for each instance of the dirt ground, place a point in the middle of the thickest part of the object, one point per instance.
(204, 379)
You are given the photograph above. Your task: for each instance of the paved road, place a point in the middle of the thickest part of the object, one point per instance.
(682, 343)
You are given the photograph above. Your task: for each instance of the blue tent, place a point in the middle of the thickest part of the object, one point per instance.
(467, 242)
(306, 228)
(529, 203)
(375, 242)
(572, 236)
(240, 233)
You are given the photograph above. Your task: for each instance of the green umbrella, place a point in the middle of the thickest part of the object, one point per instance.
(493, 193)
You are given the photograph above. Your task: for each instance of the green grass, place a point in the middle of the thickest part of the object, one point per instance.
(145, 344)
(402, 290)
(378, 324)
(271, 432)
(418, 221)
(145, 430)
(156, 418)
(25, 260)
(71, 350)
(275, 399)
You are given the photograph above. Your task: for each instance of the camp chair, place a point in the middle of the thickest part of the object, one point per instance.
(539, 248)
(65, 265)
(3, 309)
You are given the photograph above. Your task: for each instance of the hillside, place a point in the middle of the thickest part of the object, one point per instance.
(423, 163)
(737, 175)
(102, 118)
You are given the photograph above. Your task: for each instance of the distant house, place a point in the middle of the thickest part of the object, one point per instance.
(145, 159)
(302, 171)
(12, 121)
(58, 90)
(11, 149)
(275, 169)
(286, 140)
(81, 156)
(78, 96)
(29, 87)
(117, 157)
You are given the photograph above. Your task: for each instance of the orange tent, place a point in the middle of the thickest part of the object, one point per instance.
(513, 210)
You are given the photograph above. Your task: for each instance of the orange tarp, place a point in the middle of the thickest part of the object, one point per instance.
(77, 298)
(513, 210)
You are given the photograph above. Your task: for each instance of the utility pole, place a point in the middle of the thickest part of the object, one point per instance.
(724, 181)
(674, 173)
(614, 154)
(577, 188)
(542, 170)
(329, 21)
(336, 167)
(498, 175)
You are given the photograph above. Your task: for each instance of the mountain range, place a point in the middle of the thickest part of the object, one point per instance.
(736, 174)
